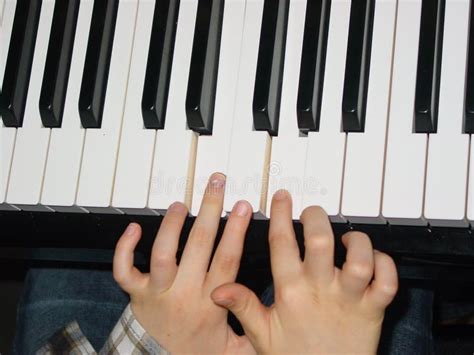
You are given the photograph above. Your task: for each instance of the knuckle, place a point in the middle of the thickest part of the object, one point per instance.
(287, 294)
(384, 258)
(162, 260)
(361, 270)
(389, 289)
(319, 243)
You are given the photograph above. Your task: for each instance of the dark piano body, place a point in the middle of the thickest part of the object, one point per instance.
(421, 253)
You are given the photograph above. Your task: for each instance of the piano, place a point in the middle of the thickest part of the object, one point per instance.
(113, 109)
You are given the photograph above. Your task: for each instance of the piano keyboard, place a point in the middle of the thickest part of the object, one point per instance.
(124, 106)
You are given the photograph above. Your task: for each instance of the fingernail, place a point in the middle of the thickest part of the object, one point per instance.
(132, 227)
(281, 195)
(218, 180)
(176, 207)
(241, 208)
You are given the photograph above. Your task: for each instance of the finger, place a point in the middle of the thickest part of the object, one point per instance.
(226, 261)
(385, 284)
(246, 306)
(197, 252)
(358, 269)
(284, 253)
(163, 266)
(128, 276)
(319, 245)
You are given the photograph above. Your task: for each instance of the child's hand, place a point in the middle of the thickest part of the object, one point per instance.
(318, 309)
(173, 303)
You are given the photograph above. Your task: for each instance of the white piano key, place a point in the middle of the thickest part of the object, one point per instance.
(31, 147)
(247, 172)
(448, 149)
(213, 151)
(7, 134)
(363, 170)
(96, 179)
(2, 10)
(288, 155)
(175, 148)
(135, 160)
(66, 144)
(402, 200)
(325, 153)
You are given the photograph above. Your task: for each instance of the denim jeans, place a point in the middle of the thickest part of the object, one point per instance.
(54, 297)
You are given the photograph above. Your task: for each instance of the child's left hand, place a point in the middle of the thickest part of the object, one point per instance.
(173, 303)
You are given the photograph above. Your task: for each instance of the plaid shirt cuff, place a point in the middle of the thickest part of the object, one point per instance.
(127, 337)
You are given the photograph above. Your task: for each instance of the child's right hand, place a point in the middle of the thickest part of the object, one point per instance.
(318, 309)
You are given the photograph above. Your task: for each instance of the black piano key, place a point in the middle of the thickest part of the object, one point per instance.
(58, 62)
(160, 59)
(428, 73)
(271, 57)
(97, 62)
(469, 95)
(313, 62)
(201, 93)
(356, 80)
(19, 61)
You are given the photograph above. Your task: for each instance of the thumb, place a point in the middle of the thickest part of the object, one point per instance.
(245, 305)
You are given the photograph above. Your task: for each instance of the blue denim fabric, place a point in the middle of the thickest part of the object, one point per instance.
(52, 298)
(407, 327)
